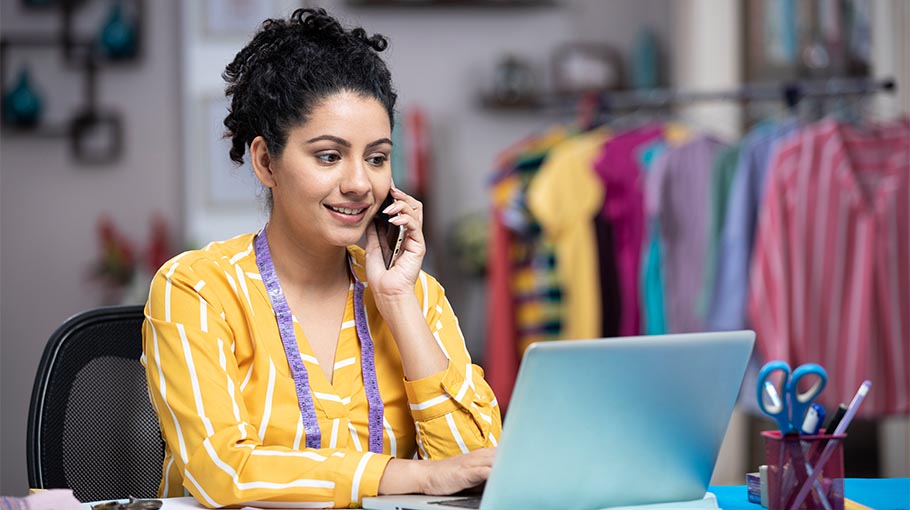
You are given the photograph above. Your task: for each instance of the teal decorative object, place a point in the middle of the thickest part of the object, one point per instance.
(22, 104)
(646, 61)
(119, 38)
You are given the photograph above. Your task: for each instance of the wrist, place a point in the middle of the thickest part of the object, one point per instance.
(396, 302)
(402, 476)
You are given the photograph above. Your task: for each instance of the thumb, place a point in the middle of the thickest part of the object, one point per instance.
(374, 261)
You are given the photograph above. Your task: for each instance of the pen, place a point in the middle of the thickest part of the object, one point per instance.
(829, 448)
(854, 406)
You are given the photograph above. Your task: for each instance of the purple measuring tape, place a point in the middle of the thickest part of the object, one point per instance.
(298, 370)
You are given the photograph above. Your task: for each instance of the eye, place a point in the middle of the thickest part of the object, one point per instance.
(328, 157)
(377, 160)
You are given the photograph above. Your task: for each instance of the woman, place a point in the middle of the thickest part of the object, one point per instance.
(290, 365)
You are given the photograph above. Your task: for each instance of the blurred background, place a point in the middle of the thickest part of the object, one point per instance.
(111, 162)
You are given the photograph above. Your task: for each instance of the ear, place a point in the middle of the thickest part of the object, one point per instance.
(262, 162)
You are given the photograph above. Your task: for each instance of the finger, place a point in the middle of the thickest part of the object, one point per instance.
(408, 218)
(402, 207)
(413, 240)
(408, 221)
(484, 452)
(373, 254)
(412, 202)
(477, 475)
(483, 458)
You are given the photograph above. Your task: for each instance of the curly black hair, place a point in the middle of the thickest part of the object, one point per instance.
(291, 66)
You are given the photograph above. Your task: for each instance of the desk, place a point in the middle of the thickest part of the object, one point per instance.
(878, 493)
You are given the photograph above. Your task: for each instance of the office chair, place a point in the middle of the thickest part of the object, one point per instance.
(91, 426)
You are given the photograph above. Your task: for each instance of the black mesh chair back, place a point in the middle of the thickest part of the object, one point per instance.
(91, 426)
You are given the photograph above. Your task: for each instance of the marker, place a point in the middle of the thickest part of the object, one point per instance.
(829, 448)
(814, 418)
(835, 420)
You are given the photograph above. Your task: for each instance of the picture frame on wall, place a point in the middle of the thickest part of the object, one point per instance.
(235, 18)
(226, 183)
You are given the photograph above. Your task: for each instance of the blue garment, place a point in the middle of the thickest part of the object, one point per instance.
(721, 179)
(731, 279)
(651, 279)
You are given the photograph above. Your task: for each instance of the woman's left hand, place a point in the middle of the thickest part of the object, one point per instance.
(398, 280)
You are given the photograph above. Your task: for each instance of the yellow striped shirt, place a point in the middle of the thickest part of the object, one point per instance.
(225, 397)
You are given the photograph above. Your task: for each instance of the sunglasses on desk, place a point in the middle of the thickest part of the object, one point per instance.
(132, 504)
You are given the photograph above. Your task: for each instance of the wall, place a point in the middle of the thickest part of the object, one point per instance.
(49, 205)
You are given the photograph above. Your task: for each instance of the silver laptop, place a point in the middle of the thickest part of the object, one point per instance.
(610, 422)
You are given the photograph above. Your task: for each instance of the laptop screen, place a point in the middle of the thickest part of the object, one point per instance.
(624, 421)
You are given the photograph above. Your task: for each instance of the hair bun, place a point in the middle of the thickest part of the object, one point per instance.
(319, 22)
(377, 42)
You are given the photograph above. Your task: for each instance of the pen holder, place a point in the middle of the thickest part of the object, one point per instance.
(791, 460)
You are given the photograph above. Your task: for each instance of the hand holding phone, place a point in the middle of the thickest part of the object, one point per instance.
(390, 236)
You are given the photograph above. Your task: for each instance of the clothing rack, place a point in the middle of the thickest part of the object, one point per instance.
(789, 92)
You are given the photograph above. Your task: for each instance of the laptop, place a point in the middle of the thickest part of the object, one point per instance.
(609, 423)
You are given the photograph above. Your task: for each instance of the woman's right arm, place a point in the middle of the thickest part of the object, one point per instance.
(212, 421)
(437, 477)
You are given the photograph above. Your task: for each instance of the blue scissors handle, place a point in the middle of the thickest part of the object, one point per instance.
(778, 408)
(788, 406)
(800, 402)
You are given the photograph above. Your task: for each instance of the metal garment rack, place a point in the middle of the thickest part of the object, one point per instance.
(790, 93)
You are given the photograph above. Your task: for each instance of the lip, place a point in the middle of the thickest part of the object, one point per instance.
(348, 218)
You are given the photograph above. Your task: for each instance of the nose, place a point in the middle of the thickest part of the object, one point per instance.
(355, 179)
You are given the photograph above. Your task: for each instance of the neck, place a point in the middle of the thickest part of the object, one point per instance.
(302, 265)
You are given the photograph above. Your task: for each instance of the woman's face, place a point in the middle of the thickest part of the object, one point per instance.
(334, 171)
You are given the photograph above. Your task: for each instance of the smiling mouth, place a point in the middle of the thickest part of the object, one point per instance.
(349, 212)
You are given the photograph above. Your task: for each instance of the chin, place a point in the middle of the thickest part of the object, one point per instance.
(349, 238)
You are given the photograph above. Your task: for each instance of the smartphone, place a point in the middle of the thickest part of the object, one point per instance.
(390, 236)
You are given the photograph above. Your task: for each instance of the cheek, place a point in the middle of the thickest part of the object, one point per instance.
(382, 183)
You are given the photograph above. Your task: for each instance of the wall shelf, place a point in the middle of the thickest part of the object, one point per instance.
(478, 4)
(84, 55)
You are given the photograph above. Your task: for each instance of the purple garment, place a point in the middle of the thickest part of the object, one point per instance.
(681, 183)
(734, 253)
(618, 167)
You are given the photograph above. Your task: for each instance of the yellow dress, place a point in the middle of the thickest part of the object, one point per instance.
(226, 401)
(564, 196)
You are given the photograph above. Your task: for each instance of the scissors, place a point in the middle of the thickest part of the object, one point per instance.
(789, 411)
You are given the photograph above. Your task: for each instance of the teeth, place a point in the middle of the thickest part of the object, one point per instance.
(342, 210)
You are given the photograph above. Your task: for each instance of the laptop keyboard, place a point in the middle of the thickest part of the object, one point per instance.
(471, 502)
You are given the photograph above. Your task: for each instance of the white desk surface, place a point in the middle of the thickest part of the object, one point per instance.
(180, 504)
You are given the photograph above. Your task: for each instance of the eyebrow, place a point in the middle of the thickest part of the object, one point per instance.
(342, 141)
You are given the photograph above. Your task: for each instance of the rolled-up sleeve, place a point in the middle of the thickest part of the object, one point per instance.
(454, 410)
